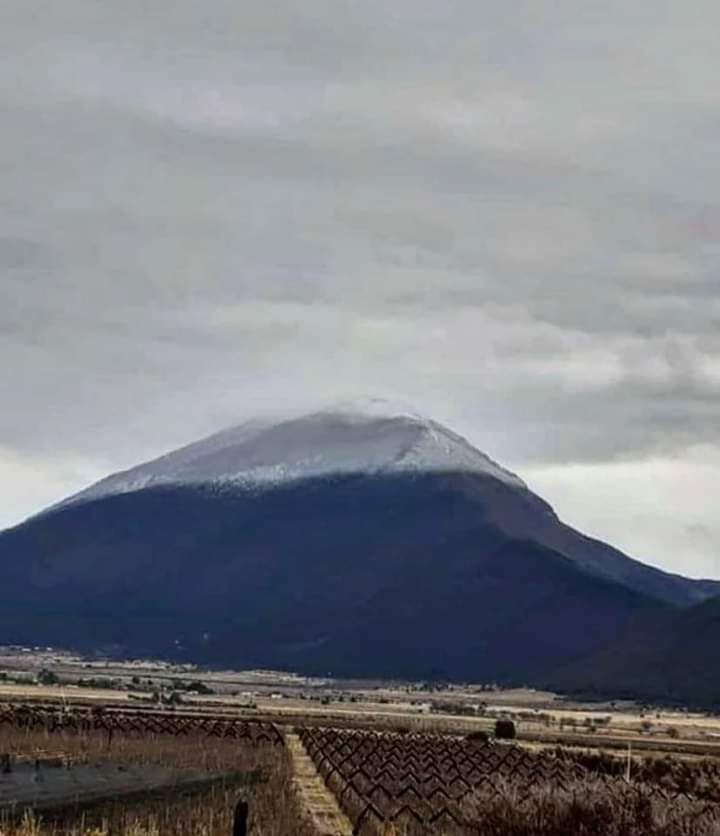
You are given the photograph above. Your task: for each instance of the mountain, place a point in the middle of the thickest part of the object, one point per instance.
(670, 657)
(358, 541)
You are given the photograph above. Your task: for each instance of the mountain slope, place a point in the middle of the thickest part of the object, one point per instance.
(366, 575)
(671, 657)
(351, 541)
(380, 439)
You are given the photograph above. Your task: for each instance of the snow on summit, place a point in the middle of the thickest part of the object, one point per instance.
(369, 436)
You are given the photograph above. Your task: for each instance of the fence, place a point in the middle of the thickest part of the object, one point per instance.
(51, 718)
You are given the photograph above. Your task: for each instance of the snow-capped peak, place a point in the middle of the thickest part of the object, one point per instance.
(372, 436)
(375, 407)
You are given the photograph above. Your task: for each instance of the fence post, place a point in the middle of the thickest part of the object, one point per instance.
(240, 819)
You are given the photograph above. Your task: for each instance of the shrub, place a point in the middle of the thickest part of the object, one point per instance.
(46, 677)
(505, 730)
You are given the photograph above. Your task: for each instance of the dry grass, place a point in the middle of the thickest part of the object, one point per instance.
(699, 778)
(592, 808)
(600, 805)
(273, 809)
(97, 746)
(588, 808)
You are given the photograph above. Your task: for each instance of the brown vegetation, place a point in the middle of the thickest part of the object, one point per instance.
(415, 784)
(592, 807)
(698, 778)
(386, 783)
(273, 810)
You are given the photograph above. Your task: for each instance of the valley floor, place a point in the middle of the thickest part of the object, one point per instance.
(542, 718)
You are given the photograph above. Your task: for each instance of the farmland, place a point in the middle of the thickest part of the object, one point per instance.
(436, 784)
(542, 718)
(316, 780)
(205, 768)
(150, 748)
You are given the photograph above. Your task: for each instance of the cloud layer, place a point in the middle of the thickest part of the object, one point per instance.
(508, 216)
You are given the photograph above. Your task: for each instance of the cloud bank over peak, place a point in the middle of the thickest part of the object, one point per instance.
(504, 216)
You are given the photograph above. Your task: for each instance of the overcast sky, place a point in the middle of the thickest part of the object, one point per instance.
(507, 214)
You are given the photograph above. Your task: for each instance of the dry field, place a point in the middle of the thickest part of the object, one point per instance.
(273, 807)
(542, 718)
(422, 784)
(379, 783)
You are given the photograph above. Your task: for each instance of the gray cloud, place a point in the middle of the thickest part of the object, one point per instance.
(505, 215)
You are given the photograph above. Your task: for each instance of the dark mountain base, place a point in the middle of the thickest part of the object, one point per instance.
(671, 658)
(393, 576)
